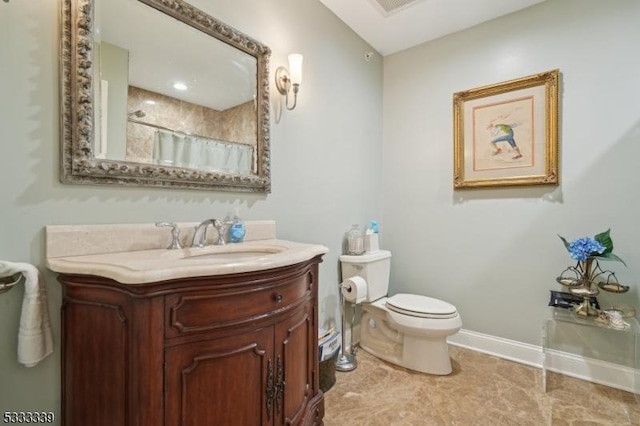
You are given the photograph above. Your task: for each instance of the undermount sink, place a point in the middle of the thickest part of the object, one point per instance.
(224, 254)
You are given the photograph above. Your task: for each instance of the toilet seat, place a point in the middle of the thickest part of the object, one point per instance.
(420, 306)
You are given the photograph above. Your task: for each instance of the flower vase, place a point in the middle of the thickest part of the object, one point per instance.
(586, 287)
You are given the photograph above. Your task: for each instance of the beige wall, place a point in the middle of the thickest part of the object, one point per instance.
(326, 159)
(495, 253)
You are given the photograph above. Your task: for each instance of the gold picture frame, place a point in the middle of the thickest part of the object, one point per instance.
(506, 134)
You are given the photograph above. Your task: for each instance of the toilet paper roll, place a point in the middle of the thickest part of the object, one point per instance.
(354, 289)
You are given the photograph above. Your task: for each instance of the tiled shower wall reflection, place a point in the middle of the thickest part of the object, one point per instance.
(236, 124)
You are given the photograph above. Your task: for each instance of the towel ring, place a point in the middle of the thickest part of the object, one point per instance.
(7, 283)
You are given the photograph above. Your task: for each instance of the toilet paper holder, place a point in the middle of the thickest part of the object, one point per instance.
(345, 361)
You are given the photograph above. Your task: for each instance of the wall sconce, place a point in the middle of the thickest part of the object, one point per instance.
(288, 78)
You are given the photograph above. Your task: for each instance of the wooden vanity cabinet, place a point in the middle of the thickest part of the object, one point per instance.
(238, 349)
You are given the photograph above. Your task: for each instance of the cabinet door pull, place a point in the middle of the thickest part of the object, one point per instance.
(280, 384)
(270, 391)
(278, 298)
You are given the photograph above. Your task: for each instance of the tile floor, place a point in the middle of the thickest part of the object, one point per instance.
(482, 390)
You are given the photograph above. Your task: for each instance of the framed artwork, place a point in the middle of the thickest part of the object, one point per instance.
(506, 134)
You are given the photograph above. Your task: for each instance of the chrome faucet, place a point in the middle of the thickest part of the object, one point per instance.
(200, 234)
(175, 235)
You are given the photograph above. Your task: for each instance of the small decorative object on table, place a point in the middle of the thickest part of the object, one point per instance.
(613, 318)
(559, 299)
(587, 278)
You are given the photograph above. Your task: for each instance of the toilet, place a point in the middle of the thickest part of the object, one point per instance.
(408, 330)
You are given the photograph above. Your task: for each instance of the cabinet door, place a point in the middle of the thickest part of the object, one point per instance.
(95, 363)
(294, 339)
(220, 382)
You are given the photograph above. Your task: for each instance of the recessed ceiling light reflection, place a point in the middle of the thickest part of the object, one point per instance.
(180, 86)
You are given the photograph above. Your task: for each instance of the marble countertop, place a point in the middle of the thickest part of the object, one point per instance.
(146, 266)
(137, 253)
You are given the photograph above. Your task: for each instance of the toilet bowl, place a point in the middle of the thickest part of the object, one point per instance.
(405, 329)
(415, 340)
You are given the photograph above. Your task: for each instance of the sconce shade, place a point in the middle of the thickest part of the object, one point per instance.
(289, 79)
(295, 68)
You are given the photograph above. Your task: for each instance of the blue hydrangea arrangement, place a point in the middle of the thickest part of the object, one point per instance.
(586, 279)
(600, 246)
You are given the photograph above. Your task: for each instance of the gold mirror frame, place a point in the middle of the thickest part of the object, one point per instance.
(78, 164)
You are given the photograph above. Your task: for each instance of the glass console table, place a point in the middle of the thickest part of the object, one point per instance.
(605, 354)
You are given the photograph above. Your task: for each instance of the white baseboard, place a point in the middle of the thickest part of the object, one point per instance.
(593, 370)
(523, 353)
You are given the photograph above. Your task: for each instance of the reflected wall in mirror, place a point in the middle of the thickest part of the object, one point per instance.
(162, 96)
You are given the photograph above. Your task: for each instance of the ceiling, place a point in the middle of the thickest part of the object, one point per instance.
(216, 74)
(394, 25)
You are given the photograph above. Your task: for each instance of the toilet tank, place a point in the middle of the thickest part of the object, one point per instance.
(374, 267)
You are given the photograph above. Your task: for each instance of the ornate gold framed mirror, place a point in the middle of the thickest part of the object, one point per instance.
(159, 93)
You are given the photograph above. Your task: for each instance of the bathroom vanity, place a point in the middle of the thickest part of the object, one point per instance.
(236, 345)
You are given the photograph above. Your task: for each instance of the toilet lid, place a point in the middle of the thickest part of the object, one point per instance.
(421, 306)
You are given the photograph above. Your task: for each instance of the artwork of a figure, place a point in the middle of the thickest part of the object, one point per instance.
(503, 133)
(506, 134)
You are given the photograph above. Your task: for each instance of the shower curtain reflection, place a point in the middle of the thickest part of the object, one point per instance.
(197, 152)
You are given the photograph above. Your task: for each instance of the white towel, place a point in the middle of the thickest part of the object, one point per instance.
(35, 340)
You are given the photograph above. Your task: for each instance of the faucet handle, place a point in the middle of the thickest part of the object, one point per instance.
(219, 225)
(175, 234)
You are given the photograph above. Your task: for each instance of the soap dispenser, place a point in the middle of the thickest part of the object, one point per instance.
(371, 243)
(237, 229)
